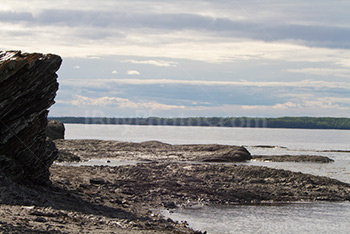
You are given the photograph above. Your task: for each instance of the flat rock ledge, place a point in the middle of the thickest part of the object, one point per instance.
(186, 184)
(293, 158)
(152, 151)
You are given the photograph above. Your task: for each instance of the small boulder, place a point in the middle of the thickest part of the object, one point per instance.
(169, 205)
(65, 156)
(55, 130)
(239, 154)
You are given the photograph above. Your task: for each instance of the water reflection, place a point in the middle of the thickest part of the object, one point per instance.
(273, 218)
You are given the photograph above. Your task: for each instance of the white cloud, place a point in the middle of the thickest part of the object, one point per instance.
(285, 106)
(133, 72)
(122, 103)
(328, 102)
(258, 35)
(323, 71)
(114, 72)
(158, 63)
(321, 103)
(344, 63)
(303, 83)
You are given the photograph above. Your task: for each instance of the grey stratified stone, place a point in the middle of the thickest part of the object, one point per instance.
(28, 85)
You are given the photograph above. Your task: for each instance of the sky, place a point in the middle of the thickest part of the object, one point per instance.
(189, 58)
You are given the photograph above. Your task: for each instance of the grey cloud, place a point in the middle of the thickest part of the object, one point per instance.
(98, 34)
(14, 17)
(312, 35)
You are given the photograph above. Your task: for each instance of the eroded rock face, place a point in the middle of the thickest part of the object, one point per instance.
(28, 85)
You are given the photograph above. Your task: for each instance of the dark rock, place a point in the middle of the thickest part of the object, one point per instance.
(170, 205)
(239, 154)
(55, 130)
(269, 147)
(42, 214)
(40, 219)
(97, 181)
(67, 157)
(28, 85)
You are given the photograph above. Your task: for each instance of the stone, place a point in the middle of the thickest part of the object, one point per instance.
(97, 181)
(170, 205)
(153, 151)
(293, 158)
(40, 219)
(55, 130)
(28, 85)
(238, 154)
(64, 156)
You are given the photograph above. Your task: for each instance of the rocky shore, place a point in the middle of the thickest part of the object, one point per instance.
(172, 168)
(128, 199)
(37, 196)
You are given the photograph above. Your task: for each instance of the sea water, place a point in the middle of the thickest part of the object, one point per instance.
(317, 217)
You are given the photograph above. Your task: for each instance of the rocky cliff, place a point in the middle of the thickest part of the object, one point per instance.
(28, 85)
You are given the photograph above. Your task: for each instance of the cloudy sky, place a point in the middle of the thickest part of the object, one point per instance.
(189, 58)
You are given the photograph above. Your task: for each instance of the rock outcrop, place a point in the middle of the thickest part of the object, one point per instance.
(153, 151)
(293, 158)
(55, 130)
(238, 154)
(28, 85)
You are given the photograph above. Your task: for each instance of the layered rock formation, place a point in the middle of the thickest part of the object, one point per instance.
(28, 85)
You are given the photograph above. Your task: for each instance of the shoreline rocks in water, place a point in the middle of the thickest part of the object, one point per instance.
(292, 158)
(153, 150)
(158, 151)
(28, 85)
(125, 199)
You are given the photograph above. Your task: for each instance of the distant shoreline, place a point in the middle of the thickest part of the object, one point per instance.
(243, 122)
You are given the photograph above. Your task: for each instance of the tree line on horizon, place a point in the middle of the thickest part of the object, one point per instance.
(244, 122)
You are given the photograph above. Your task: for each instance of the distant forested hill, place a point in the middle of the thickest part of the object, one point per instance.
(283, 122)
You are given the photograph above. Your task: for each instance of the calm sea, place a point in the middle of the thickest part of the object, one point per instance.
(282, 218)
